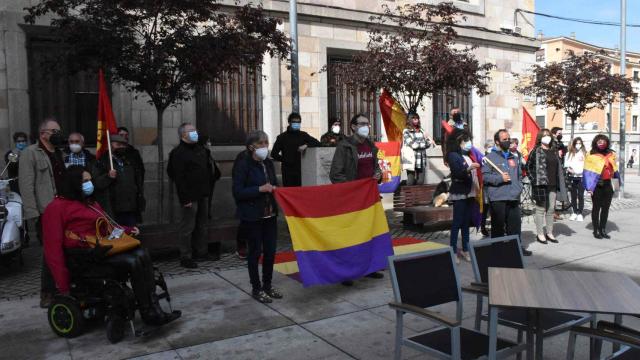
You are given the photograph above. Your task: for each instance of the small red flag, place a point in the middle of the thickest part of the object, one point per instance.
(106, 120)
(529, 133)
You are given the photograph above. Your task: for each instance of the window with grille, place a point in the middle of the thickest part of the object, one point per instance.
(443, 103)
(230, 107)
(634, 123)
(345, 101)
(540, 120)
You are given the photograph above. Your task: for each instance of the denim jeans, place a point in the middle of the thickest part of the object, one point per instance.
(461, 222)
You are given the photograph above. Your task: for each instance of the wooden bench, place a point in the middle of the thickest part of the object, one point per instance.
(416, 204)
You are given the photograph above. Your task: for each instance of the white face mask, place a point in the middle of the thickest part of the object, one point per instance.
(578, 146)
(546, 140)
(335, 129)
(75, 148)
(363, 131)
(262, 153)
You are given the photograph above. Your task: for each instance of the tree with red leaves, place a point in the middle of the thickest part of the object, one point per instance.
(411, 53)
(575, 85)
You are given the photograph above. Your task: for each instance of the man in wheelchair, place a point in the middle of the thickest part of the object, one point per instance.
(92, 282)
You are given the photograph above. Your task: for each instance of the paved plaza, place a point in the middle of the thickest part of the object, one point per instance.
(221, 321)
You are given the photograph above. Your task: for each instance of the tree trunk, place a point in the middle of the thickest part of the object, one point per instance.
(573, 126)
(160, 143)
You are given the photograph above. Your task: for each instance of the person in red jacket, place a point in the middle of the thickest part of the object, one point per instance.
(75, 210)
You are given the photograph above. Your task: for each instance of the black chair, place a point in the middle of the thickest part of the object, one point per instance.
(625, 340)
(506, 252)
(430, 278)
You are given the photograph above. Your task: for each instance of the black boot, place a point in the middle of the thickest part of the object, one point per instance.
(596, 234)
(604, 234)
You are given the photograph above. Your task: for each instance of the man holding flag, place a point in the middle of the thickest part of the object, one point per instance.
(503, 184)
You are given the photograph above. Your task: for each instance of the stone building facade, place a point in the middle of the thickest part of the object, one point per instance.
(328, 31)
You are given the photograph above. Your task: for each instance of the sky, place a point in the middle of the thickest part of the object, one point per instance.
(604, 10)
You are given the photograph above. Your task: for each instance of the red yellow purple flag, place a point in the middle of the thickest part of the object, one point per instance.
(389, 161)
(393, 116)
(529, 132)
(106, 120)
(339, 232)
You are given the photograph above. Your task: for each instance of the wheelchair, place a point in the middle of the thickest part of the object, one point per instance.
(98, 294)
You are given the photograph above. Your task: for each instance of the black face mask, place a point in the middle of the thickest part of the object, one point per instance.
(505, 145)
(119, 152)
(559, 137)
(457, 117)
(56, 139)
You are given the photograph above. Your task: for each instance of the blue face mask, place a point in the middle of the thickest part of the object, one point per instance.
(468, 146)
(21, 145)
(459, 126)
(87, 188)
(295, 126)
(193, 136)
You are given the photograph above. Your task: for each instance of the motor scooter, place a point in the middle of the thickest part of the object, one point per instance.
(11, 225)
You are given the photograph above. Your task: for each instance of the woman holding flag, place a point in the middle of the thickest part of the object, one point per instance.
(465, 185)
(600, 169)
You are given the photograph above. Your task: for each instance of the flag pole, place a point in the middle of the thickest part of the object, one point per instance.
(109, 149)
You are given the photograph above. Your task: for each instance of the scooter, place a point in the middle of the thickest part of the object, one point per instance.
(11, 225)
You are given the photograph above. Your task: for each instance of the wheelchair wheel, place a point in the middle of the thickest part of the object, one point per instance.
(65, 317)
(115, 328)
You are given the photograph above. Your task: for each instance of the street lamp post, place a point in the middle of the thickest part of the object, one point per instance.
(295, 85)
(623, 112)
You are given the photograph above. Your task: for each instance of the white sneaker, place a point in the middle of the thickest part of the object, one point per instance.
(573, 217)
(580, 218)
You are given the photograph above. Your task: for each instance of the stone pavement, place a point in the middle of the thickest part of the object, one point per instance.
(221, 321)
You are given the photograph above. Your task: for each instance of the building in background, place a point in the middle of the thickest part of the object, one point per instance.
(329, 32)
(595, 121)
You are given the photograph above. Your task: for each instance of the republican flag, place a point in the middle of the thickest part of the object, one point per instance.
(529, 132)
(339, 232)
(476, 208)
(593, 166)
(106, 120)
(389, 161)
(393, 116)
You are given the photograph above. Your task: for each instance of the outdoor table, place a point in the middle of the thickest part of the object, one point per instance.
(574, 291)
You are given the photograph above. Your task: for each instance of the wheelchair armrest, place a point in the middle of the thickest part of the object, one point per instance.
(416, 310)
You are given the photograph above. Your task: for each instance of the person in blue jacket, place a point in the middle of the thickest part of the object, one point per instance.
(463, 190)
(254, 180)
(503, 189)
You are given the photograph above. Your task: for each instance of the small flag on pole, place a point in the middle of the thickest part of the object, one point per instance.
(106, 120)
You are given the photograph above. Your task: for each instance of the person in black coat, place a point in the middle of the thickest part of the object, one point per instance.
(463, 190)
(254, 180)
(288, 149)
(191, 168)
(21, 143)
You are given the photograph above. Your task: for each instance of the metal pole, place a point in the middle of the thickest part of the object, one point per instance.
(610, 118)
(623, 111)
(295, 85)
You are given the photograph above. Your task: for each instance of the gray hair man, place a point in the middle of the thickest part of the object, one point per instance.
(191, 168)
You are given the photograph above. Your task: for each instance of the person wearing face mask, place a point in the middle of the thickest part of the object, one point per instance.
(288, 150)
(76, 154)
(334, 135)
(118, 189)
(41, 172)
(503, 189)
(601, 167)
(556, 135)
(451, 129)
(414, 150)
(20, 141)
(574, 163)
(356, 158)
(463, 190)
(191, 168)
(544, 168)
(75, 210)
(254, 180)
